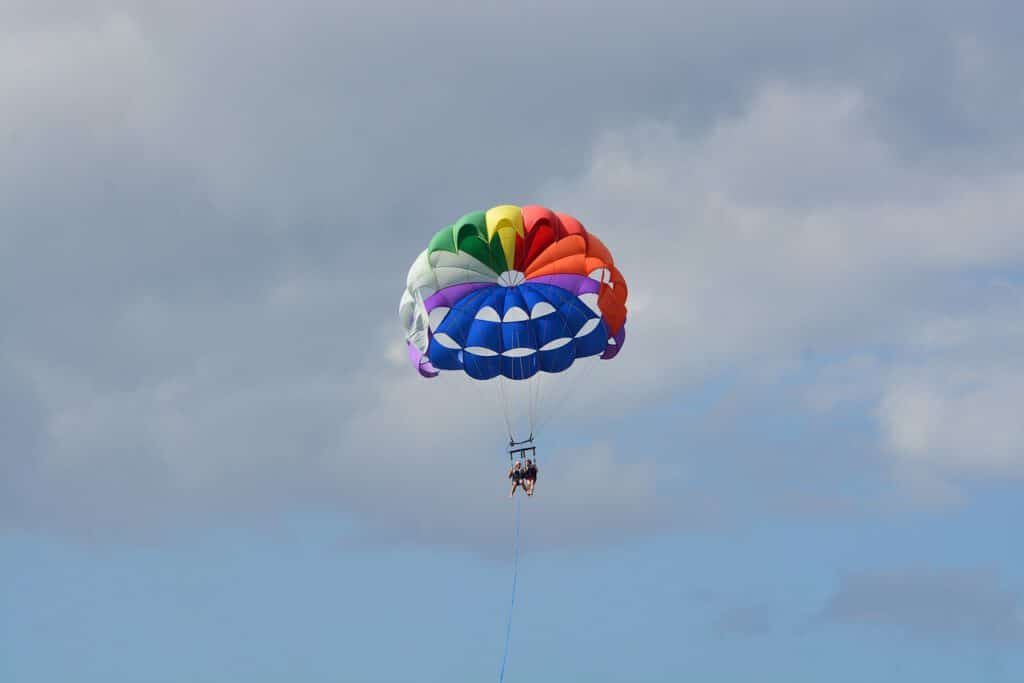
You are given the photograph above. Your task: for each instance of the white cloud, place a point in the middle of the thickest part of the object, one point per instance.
(182, 360)
(794, 226)
(960, 419)
(426, 459)
(742, 247)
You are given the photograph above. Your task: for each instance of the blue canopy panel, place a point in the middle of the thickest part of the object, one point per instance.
(516, 332)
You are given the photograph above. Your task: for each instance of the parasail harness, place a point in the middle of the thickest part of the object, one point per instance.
(518, 450)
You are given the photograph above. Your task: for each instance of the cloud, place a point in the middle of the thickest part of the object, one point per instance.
(958, 417)
(932, 604)
(420, 454)
(792, 226)
(953, 409)
(22, 438)
(205, 220)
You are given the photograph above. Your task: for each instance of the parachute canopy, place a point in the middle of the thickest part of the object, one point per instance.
(510, 292)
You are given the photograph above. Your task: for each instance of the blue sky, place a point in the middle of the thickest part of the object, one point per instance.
(287, 602)
(288, 597)
(216, 463)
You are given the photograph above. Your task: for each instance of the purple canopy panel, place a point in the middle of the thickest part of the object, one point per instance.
(421, 362)
(612, 350)
(450, 295)
(577, 284)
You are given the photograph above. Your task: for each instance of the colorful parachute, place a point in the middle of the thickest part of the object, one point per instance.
(511, 292)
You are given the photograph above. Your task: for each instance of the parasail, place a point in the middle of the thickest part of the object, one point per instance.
(511, 293)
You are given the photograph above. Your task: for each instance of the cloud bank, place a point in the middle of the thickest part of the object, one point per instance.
(205, 223)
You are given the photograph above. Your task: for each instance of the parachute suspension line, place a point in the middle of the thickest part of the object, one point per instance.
(512, 605)
(529, 396)
(572, 386)
(517, 411)
(536, 400)
(540, 388)
(504, 407)
(483, 397)
(531, 383)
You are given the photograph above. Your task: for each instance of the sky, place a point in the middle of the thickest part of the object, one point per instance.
(805, 465)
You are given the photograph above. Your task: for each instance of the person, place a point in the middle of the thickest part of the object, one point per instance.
(530, 477)
(516, 475)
